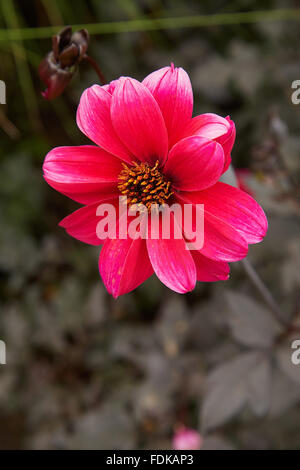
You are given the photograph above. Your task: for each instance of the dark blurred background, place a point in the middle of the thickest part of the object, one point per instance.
(86, 371)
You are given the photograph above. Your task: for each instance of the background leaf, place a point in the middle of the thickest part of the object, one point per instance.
(250, 322)
(231, 385)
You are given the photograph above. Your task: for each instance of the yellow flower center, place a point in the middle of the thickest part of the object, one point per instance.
(142, 184)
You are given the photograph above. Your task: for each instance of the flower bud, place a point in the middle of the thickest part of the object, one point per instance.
(58, 67)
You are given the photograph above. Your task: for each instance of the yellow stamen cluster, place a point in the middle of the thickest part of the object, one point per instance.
(143, 184)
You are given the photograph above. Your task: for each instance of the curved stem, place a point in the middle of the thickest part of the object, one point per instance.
(264, 291)
(96, 67)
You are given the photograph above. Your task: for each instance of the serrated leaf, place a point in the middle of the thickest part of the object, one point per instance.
(250, 322)
(232, 385)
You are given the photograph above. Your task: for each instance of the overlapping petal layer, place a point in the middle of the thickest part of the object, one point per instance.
(209, 270)
(225, 204)
(172, 89)
(222, 242)
(124, 265)
(216, 128)
(138, 121)
(207, 125)
(194, 163)
(82, 224)
(172, 261)
(93, 119)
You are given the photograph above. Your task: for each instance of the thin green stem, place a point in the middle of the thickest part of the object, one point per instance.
(151, 24)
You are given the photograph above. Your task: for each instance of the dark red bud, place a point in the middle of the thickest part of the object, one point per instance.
(58, 67)
(81, 39)
(64, 37)
(55, 78)
(69, 56)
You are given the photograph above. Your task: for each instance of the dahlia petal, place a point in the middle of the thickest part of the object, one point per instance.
(106, 87)
(110, 87)
(86, 173)
(236, 208)
(209, 270)
(124, 265)
(82, 224)
(172, 89)
(138, 121)
(227, 141)
(172, 263)
(94, 120)
(222, 242)
(86, 194)
(213, 127)
(194, 163)
(86, 163)
(207, 125)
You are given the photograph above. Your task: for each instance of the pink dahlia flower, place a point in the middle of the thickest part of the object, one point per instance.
(150, 149)
(187, 439)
